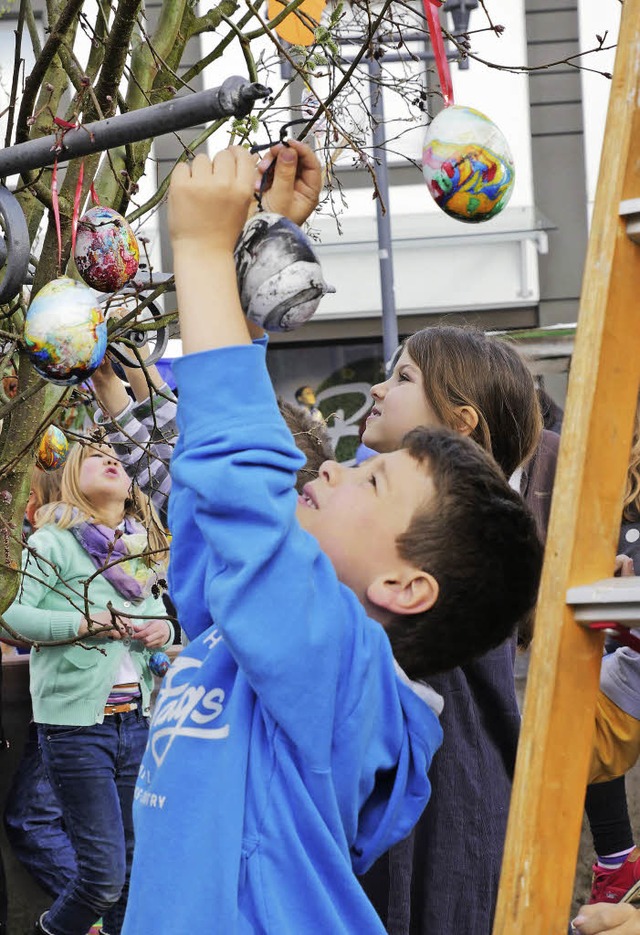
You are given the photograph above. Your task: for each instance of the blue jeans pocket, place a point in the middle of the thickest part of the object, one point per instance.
(55, 732)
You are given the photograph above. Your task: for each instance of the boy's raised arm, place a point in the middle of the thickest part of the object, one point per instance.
(208, 203)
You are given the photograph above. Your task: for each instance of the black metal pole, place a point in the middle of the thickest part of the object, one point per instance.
(385, 251)
(234, 98)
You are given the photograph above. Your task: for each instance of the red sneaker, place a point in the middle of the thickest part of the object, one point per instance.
(621, 885)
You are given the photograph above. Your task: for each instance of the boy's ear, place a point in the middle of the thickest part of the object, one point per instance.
(467, 419)
(408, 591)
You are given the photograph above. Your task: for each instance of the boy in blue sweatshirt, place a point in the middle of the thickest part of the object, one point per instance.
(288, 749)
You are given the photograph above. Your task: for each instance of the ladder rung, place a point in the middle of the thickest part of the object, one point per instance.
(615, 599)
(630, 210)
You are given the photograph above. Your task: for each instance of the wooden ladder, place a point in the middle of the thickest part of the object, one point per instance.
(554, 754)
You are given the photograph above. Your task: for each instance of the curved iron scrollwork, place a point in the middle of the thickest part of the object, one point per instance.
(156, 339)
(14, 246)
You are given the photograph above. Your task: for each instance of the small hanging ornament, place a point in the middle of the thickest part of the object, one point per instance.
(159, 663)
(279, 275)
(467, 164)
(52, 450)
(106, 251)
(65, 333)
(466, 160)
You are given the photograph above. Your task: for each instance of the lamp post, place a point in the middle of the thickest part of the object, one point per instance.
(460, 11)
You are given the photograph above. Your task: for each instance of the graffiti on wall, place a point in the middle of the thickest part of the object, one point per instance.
(344, 399)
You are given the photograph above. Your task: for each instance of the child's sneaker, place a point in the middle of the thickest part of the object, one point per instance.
(621, 885)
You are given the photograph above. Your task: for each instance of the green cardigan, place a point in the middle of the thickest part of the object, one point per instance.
(70, 684)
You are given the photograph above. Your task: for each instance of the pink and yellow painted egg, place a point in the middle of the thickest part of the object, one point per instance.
(106, 251)
(467, 164)
(53, 449)
(65, 333)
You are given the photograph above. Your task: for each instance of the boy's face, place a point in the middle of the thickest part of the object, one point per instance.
(356, 514)
(400, 405)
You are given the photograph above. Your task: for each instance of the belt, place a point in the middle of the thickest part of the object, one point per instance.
(120, 708)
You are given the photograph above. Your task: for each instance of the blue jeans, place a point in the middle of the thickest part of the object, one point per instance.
(34, 825)
(93, 771)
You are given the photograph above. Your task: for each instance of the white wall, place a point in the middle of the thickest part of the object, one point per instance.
(596, 19)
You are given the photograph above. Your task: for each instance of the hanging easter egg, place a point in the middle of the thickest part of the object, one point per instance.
(159, 663)
(106, 251)
(53, 449)
(467, 164)
(279, 275)
(65, 333)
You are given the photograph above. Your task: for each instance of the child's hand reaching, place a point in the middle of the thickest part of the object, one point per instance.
(295, 183)
(209, 200)
(109, 390)
(208, 203)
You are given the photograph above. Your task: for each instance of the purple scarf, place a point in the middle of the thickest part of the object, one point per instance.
(130, 576)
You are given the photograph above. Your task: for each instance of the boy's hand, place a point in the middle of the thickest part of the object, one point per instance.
(605, 919)
(208, 203)
(296, 183)
(208, 200)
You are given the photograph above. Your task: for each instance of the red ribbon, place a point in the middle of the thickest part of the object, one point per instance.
(622, 634)
(56, 209)
(76, 207)
(439, 52)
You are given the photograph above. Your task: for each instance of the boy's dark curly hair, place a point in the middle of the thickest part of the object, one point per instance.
(479, 540)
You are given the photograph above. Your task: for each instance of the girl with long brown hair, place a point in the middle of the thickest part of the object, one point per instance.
(477, 385)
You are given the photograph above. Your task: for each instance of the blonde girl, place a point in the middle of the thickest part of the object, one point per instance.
(92, 571)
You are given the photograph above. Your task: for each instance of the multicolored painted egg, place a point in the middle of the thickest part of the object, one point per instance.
(467, 164)
(159, 663)
(106, 252)
(65, 333)
(53, 449)
(279, 275)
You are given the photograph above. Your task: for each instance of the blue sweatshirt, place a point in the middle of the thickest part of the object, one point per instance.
(285, 750)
